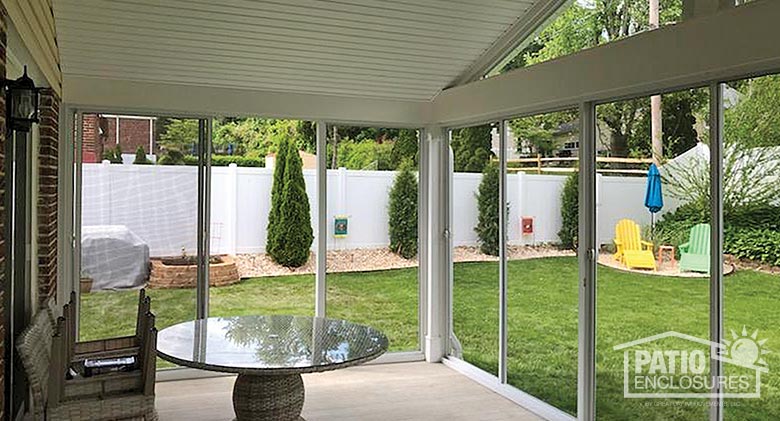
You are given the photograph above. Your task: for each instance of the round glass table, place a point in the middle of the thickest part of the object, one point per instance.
(269, 354)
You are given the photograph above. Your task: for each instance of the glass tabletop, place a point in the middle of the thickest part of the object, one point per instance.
(270, 344)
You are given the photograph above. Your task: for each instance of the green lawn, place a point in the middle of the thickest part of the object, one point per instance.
(542, 313)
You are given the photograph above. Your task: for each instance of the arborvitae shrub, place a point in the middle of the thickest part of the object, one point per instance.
(295, 233)
(403, 212)
(487, 204)
(570, 212)
(273, 239)
(140, 157)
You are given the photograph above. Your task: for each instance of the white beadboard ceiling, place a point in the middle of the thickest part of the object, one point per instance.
(389, 49)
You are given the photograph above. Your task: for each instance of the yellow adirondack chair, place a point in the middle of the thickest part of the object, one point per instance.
(632, 251)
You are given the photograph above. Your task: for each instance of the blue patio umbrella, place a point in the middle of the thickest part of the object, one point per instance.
(654, 197)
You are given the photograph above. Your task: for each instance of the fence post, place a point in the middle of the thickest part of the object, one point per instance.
(232, 189)
(521, 180)
(342, 204)
(599, 197)
(104, 181)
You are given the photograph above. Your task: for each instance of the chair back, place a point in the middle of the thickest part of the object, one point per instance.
(144, 306)
(699, 241)
(627, 232)
(148, 355)
(35, 349)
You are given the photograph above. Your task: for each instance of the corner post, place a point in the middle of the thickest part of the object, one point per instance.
(587, 255)
(716, 244)
(437, 276)
(322, 220)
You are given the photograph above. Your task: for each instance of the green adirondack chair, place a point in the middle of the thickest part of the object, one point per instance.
(695, 254)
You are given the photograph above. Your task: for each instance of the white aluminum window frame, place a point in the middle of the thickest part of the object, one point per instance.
(588, 256)
(70, 223)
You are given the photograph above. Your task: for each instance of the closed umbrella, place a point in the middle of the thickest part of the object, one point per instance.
(654, 197)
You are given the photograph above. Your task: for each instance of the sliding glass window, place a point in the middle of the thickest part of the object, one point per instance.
(653, 233)
(542, 270)
(474, 223)
(139, 216)
(262, 217)
(372, 232)
(751, 206)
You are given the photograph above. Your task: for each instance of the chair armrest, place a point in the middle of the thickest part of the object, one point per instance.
(684, 247)
(646, 244)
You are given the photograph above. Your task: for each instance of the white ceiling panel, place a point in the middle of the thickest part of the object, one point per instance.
(390, 49)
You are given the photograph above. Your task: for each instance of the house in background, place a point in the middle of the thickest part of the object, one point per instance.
(105, 131)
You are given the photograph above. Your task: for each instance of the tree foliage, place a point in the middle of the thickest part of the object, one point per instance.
(295, 233)
(179, 134)
(402, 212)
(584, 25)
(754, 120)
(487, 228)
(472, 147)
(257, 137)
(405, 148)
(539, 131)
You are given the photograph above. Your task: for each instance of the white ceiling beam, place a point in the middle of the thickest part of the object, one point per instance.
(104, 95)
(730, 44)
(523, 28)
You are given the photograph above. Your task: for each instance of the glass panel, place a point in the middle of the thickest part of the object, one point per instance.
(583, 24)
(542, 269)
(372, 230)
(138, 221)
(248, 161)
(751, 208)
(652, 303)
(474, 219)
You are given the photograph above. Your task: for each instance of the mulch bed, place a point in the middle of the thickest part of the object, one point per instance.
(361, 260)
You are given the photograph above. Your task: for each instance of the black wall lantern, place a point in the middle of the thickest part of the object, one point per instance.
(22, 99)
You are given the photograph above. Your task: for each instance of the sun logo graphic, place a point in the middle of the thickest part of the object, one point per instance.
(676, 365)
(745, 350)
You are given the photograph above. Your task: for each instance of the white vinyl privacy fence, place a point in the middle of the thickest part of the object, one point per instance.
(159, 204)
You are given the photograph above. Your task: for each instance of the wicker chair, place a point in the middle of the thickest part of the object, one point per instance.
(111, 396)
(106, 348)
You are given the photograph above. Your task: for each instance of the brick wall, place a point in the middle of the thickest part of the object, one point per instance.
(47, 196)
(3, 28)
(133, 132)
(92, 145)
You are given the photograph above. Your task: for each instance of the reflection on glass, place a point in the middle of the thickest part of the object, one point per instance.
(270, 342)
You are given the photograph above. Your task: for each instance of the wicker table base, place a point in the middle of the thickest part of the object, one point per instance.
(268, 398)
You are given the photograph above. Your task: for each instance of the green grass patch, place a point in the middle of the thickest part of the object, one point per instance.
(542, 315)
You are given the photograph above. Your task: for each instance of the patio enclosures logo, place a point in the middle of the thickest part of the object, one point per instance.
(676, 365)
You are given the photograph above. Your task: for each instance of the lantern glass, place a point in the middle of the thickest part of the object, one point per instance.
(22, 102)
